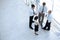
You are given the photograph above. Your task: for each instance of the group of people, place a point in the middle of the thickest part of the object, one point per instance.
(37, 18)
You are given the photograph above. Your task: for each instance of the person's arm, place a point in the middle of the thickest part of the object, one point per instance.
(37, 22)
(30, 12)
(51, 18)
(33, 18)
(46, 14)
(35, 12)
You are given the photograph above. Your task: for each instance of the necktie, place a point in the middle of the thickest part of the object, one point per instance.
(33, 12)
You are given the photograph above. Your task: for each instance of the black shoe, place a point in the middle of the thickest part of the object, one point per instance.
(48, 29)
(36, 34)
(44, 28)
(31, 28)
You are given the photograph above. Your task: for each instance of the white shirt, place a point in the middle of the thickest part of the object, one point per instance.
(41, 8)
(49, 17)
(36, 22)
(31, 12)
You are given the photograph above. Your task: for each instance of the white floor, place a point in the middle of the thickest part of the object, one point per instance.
(14, 23)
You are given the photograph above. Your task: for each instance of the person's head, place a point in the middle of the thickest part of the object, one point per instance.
(36, 17)
(43, 3)
(32, 6)
(49, 11)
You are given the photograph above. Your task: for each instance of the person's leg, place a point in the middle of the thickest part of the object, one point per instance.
(30, 22)
(39, 17)
(42, 19)
(45, 25)
(49, 24)
(32, 19)
(36, 29)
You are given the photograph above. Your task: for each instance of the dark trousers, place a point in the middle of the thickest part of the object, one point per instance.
(36, 28)
(48, 24)
(30, 22)
(41, 15)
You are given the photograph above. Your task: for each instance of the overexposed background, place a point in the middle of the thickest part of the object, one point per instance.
(14, 21)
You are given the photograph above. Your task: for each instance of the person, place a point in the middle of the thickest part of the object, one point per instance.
(42, 11)
(49, 19)
(36, 24)
(32, 12)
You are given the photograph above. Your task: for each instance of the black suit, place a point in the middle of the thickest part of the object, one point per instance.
(47, 25)
(30, 22)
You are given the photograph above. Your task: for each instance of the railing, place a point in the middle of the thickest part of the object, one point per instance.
(56, 24)
(56, 21)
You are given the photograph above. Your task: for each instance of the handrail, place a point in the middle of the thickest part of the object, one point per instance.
(56, 21)
(56, 25)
